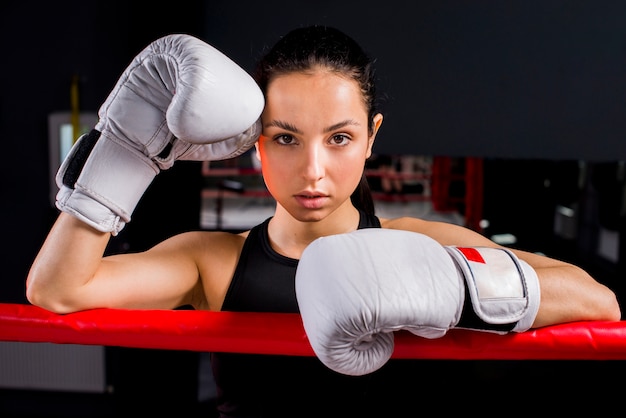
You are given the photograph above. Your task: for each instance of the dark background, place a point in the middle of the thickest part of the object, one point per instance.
(530, 86)
(512, 79)
(535, 88)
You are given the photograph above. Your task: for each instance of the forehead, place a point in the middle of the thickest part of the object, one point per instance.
(319, 87)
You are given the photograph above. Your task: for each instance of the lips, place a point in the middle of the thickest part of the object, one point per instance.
(311, 200)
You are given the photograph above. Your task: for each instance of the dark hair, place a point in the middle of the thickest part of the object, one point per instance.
(307, 47)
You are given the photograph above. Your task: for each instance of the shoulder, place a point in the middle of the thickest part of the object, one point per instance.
(203, 248)
(204, 240)
(422, 226)
(444, 232)
(215, 255)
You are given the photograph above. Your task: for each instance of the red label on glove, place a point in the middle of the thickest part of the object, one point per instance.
(472, 254)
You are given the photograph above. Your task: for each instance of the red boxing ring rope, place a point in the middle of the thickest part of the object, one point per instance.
(274, 333)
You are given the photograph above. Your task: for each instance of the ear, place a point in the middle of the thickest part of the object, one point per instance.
(378, 120)
(256, 158)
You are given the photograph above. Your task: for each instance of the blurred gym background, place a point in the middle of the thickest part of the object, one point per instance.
(507, 117)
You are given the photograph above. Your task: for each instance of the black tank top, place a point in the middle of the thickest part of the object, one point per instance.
(272, 386)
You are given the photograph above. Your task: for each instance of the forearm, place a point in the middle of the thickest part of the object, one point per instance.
(569, 294)
(68, 259)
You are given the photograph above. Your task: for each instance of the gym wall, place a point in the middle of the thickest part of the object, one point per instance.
(526, 81)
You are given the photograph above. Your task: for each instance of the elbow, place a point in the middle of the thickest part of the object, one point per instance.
(48, 303)
(605, 306)
(44, 296)
(614, 311)
(41, 298)
(33, 293)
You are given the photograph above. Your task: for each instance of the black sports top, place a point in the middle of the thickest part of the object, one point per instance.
(267, 385)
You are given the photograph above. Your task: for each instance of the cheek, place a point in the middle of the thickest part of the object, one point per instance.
(347, 170)
(273, 169)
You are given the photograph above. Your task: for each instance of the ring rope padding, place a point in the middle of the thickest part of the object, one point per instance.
(283, 334)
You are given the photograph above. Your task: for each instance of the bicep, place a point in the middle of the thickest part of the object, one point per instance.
(163, 277)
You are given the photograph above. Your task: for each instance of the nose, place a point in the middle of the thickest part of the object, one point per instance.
(314, 162)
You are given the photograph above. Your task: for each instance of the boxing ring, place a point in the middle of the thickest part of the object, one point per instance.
(283, 334)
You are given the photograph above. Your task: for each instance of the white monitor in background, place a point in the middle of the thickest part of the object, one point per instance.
(61, 138)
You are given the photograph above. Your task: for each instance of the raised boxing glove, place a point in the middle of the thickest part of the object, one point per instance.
(179, 99)
(355, 290)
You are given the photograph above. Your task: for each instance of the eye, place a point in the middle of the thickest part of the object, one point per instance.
(340, 139)
(285, 139)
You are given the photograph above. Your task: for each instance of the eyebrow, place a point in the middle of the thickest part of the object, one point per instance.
(289, 127)
(342, 124)
(283, 125)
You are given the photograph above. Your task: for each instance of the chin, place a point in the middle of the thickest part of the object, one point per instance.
(307, 215)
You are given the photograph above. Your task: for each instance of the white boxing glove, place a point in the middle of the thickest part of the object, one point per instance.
(179, 99)
(355, 289)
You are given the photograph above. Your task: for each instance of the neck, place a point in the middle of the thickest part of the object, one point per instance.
(290, 236)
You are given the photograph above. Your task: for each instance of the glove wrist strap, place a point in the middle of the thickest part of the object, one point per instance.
(501, 290)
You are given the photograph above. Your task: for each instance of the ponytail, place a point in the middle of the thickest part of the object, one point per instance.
(362, 197)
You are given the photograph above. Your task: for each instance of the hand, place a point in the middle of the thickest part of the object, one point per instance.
(179, 99)
(355, 289)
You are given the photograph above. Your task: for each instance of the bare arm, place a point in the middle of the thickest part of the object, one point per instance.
(145, 126)
(70, 273)
(568, 293)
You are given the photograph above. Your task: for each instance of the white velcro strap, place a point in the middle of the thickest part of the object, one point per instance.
(502, 288)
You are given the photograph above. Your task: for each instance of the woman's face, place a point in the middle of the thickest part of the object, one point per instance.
(314, 143)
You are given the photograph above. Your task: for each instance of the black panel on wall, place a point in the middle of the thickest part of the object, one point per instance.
(44, 47)
(521, 79)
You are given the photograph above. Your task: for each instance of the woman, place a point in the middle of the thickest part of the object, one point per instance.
(318, 127)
